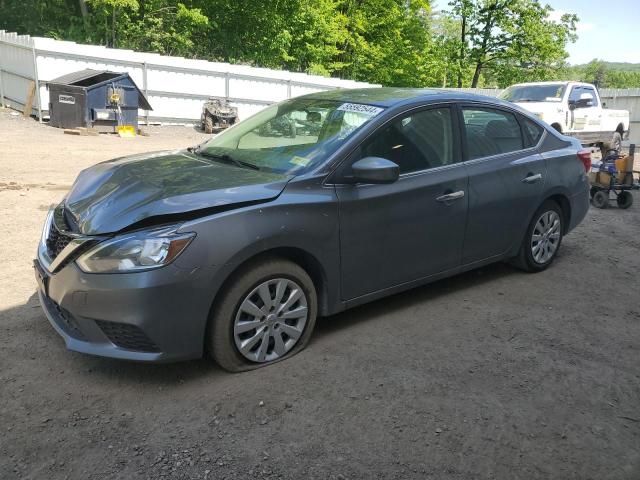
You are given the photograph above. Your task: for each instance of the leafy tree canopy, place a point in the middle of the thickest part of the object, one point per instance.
(392, 42)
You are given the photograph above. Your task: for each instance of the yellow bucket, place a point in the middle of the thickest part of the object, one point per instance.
(126, 131)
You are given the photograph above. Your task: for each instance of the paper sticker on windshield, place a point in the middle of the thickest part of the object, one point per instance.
(368, 110)
(300, 161)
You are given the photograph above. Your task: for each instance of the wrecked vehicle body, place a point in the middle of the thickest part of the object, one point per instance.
(235, 247)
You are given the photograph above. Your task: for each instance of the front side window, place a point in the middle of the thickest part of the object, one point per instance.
(415, 142)
(583, 96)
(290, 137)
(491, 132)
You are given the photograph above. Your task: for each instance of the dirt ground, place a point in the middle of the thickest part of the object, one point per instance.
(494, 374)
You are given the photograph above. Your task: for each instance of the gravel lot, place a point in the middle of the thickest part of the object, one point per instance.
(491, 374)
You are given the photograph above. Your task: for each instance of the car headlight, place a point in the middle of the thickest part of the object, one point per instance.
(135, 251)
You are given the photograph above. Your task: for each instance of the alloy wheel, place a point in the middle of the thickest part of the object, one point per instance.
(546, 237)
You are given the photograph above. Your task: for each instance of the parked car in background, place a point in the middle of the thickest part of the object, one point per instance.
(574, 109)
(236, 246)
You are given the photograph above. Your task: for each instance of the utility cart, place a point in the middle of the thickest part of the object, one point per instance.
(615, 175)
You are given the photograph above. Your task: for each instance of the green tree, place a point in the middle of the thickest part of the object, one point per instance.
(511, 38)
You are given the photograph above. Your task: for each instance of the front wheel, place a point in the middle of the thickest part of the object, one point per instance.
(542, 240)
(266, 313)
(208, 125)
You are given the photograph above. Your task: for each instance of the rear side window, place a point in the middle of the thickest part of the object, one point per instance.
(491, 132)
(532, 132)
(415, 142)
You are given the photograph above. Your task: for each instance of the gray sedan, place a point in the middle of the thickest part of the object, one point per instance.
(312, 206)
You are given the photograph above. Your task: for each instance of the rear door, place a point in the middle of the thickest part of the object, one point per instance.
(407, 230)
(506, 179)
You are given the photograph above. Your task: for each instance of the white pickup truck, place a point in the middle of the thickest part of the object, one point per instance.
(574, 109)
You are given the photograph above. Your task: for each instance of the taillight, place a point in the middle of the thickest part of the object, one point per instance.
(585, 157)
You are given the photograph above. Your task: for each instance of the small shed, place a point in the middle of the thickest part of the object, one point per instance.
(89, 98)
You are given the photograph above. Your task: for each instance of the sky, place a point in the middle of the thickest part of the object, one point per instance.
(608, 29)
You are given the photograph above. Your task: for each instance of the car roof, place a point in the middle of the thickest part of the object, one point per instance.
(392, 96)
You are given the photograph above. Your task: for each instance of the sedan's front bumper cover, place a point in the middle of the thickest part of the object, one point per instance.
(154, 316)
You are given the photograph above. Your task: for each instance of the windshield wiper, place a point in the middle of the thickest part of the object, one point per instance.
(224, 157)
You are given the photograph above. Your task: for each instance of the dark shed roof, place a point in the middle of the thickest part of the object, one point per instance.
(90, 78)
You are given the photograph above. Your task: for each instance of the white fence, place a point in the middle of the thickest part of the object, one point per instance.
(176, 87)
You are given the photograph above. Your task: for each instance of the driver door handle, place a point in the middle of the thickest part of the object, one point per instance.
(448, 197)
(531, 178)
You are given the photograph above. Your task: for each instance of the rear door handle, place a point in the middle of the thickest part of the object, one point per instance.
(531, 178)
(448, 197)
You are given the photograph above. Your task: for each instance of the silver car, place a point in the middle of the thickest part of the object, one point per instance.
(234, 247)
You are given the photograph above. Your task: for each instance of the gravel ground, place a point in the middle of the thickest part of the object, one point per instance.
(490, 374)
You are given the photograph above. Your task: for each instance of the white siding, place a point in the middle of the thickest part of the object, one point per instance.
(176, 87)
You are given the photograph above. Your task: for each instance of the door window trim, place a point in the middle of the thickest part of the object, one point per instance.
(463, 137)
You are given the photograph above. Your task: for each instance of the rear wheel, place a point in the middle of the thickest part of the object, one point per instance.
(601, 199)
(542, 240)
(625, 199)
(267, 313)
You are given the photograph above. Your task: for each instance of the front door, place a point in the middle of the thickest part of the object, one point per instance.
(586, 115)
(413, 228)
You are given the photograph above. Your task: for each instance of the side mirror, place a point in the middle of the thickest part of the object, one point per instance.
(375, 170)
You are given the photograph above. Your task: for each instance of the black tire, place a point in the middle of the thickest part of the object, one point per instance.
(625, 199)
(220, 337)
(525, 259)
(593, 191)
(614, 144)
(208, 124)
(601, 199)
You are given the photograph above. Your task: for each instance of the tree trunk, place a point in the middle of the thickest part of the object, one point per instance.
(113, 28)
(463, 37)
(85, 16)
(476, 75)
(482, 54)
(83, 9)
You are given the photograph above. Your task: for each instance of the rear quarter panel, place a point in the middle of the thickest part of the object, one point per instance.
(566, 175)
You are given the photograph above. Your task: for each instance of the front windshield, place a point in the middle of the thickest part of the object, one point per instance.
(292, 136)
(551, 92)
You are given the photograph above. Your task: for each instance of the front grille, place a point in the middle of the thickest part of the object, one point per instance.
(59, 236)
(56, 241)
(64, 318)
(125, 335)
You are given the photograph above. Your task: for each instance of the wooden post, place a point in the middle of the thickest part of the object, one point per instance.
(28, 104)
(145, 89)
(1, 90)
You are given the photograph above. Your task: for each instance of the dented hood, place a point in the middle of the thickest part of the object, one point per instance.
(113, 195)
